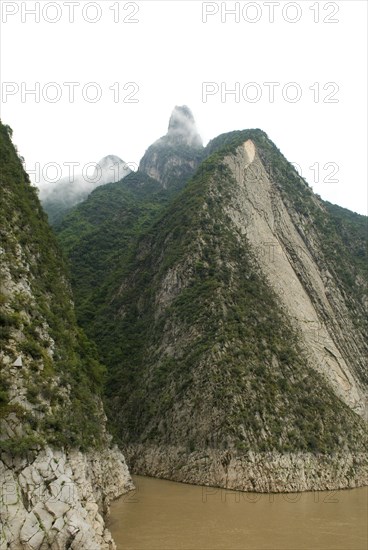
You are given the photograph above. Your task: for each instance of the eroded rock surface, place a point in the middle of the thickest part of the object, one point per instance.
(60, 499)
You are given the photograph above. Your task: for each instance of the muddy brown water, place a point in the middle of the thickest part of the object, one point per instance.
(164, 515)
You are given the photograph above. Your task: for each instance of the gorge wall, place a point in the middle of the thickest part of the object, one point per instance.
(58, 468)
(228, 302)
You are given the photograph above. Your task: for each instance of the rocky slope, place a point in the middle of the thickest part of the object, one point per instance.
(173, 158)
(59, 499)
(232, 322)
(58, 469)
(289, 254)
(249, 333)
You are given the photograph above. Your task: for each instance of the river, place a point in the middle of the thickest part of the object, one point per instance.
(164, 515)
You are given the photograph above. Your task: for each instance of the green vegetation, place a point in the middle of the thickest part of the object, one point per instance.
(21, 445)
(349, 243)
(236, 362)
(213, 345)
(197, 347)
(99, 235)
(38, 322)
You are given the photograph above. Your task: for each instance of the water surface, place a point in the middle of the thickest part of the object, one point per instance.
(164, 515)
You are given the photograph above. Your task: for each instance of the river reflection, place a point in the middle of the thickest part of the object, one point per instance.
(164, 515)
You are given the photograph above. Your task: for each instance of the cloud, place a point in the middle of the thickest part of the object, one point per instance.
(75, 187)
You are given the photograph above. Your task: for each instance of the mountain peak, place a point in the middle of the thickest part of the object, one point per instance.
(182, 127)
(173, 158)
(59, 197)
(110, 169)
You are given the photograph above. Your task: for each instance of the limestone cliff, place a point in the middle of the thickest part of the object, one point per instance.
(58, 470)
(247, 369)
(233, 318)
(288, 249)
(173, 158)
(60, 499)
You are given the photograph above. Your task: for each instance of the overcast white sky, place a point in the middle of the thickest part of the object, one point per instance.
(171, 50)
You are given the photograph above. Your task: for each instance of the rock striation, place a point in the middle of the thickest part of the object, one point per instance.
(60, 499)
(249, 357)
(262, 472)
(287, 251)
(233, 320)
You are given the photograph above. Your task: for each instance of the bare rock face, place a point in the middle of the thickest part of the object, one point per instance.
(252, 471)
(173, 158)
(251, 369)
(60, 499)
(310, 295)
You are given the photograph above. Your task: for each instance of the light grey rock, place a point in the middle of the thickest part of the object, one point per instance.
(36, 541)
(29, 528)
(261, 472)
(60, 498)
(260, 213)
(44, 517)
(56, 508)
(59, 524)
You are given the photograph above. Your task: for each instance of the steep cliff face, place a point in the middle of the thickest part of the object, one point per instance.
(289, 250)
(173, 158)
(243, 335)
(58, 470)
(232, 320)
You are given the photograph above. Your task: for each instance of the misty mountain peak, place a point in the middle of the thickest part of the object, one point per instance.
(109, 160)
(59, 197)
(182, 127)
(110, 169)
(173, 158)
